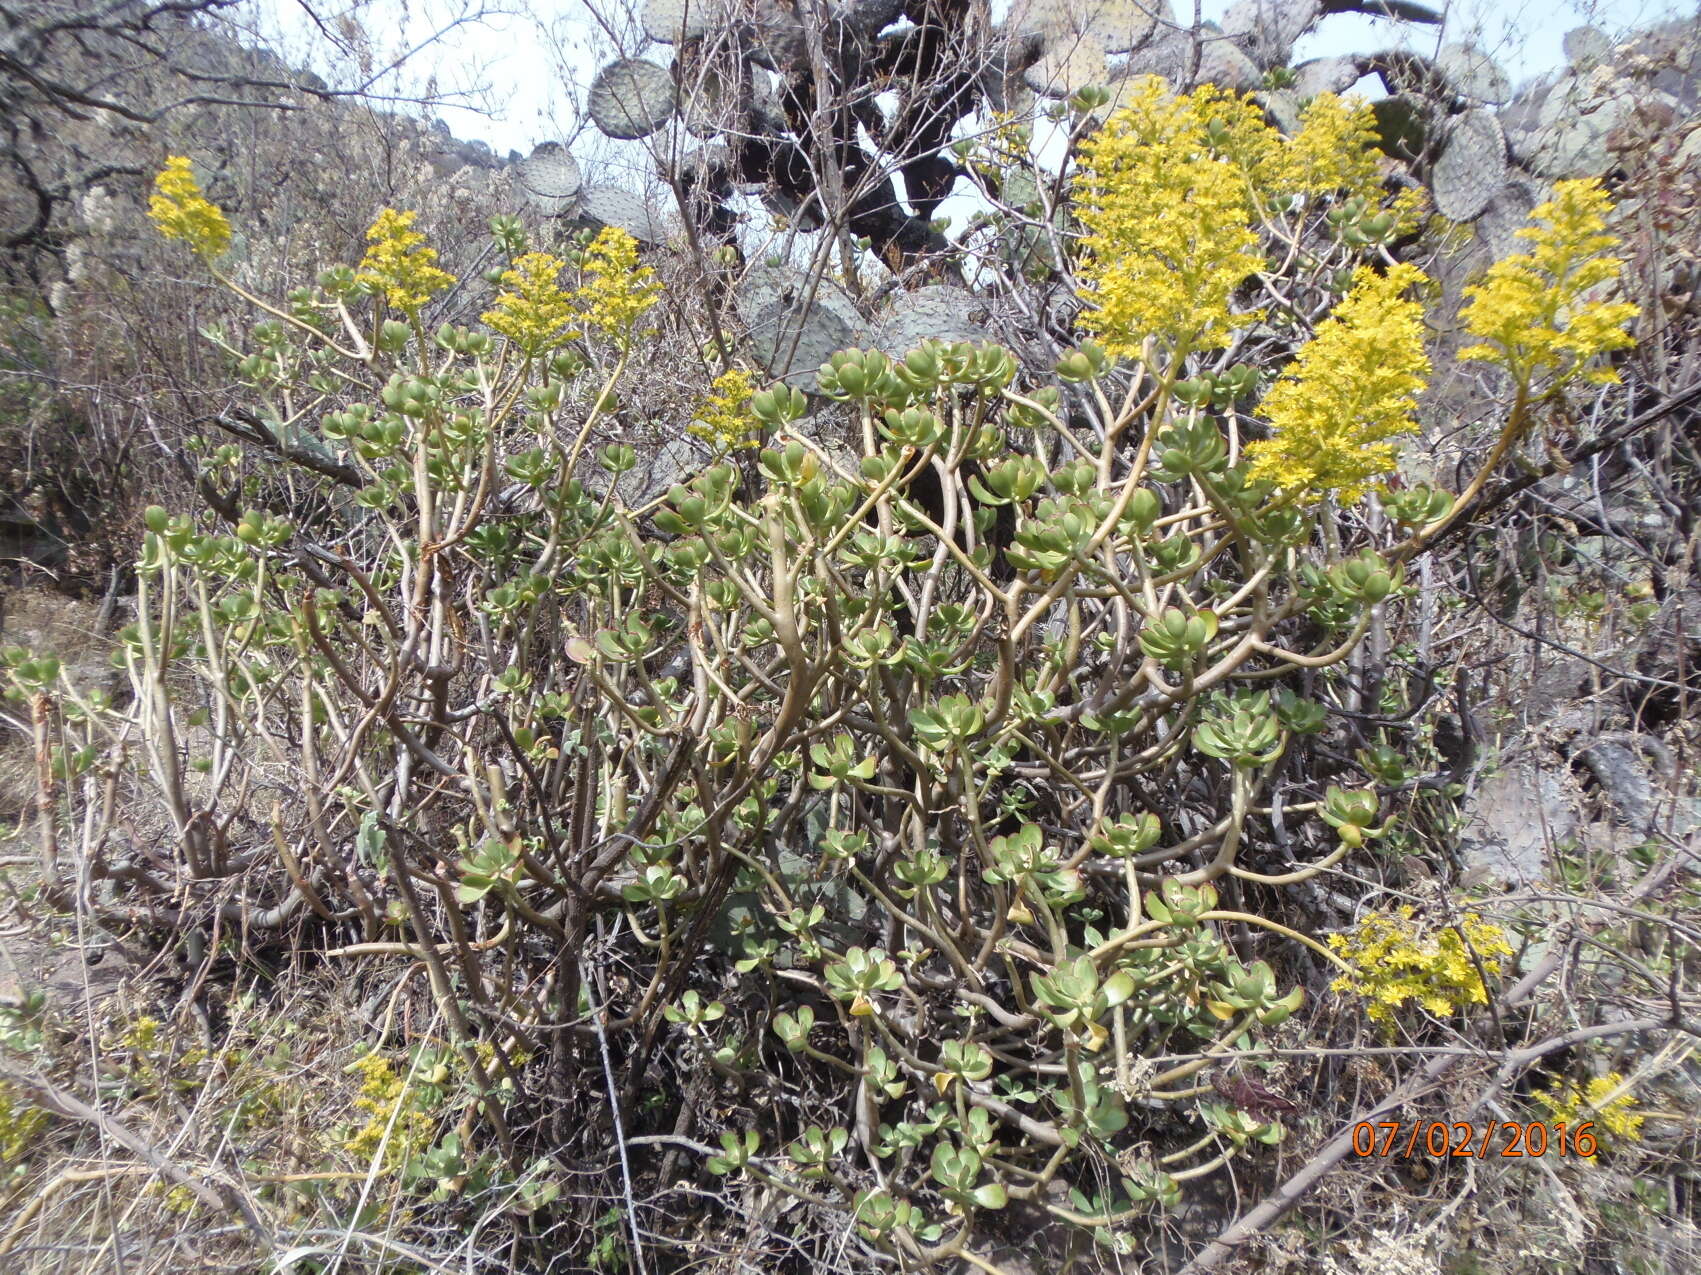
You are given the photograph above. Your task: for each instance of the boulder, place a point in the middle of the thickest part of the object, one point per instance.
(1516, 820)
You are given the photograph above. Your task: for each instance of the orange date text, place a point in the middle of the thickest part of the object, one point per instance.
(1479, 1139)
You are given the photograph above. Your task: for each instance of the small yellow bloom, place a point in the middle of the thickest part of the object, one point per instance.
(1599, 1101)
(1351, 389)
(1532, 310)
(181, 211)
(725, 418)
(399, 264)
(534, 311)
(396, 1122)
(1396, 958)
(617, 291)
(21, 1124)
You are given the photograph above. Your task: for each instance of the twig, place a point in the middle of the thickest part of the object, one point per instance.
(597, 1017)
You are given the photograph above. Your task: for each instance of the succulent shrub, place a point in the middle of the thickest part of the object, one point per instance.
(988, 775)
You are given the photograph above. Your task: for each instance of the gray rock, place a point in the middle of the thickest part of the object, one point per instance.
(1618, 765)
(660, 466)
(1640, 780)
(1515, 821)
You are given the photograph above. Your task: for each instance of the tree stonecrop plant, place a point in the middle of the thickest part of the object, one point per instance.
(962, 840)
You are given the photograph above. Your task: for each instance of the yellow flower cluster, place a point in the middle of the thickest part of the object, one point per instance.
(616, 291)
(181, 211)
(1396, 958)
(399, 264)
(1606, 1100)
(1006, 140)
(1168, 219)
(1532, 310)
(534, 312)
(1333, 152)
(1171, 191)
(1409, 207)
(724, 418)
(382, 1092)
(1351, 389)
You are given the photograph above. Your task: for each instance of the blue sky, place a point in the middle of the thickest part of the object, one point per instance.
(528, 63)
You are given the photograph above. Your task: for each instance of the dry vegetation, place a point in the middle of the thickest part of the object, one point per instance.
(486, 791)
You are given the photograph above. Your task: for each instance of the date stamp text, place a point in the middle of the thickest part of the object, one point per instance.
(1479, 1139)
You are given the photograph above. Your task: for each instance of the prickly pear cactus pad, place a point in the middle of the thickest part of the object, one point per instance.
(616, 206)
(1473, 74)
(1068, 65)
(550, 178)
(1222, 63)
(675, 21)
(1327, 75)
(1267, 29)
(765, 286)
(1471, 167)
(1587, 47)
(937, 312)
(631, 98)
(1506, 213)
(792, 342)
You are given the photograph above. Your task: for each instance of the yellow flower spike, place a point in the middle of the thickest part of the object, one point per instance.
(1532, 311)
(399, 264)
(182, 212)
(1334, 150)
(533, 311)
(725, 419)
(1350, 390)
(1168, 219)
(1409, 207)
(1171, 191)
(617, 291)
